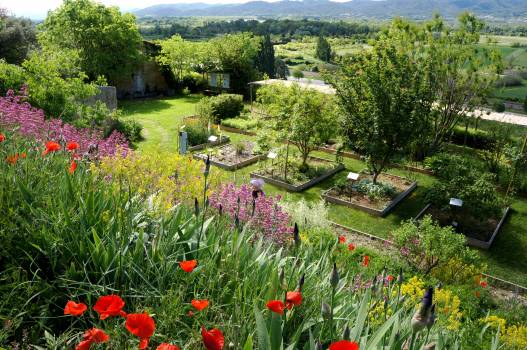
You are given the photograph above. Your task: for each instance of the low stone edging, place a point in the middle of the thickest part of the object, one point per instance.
(473, 242)
(230, 167)
(304, 186)
(223, 140)
(369, 210)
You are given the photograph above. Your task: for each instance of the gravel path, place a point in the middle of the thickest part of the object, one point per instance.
(504, 117)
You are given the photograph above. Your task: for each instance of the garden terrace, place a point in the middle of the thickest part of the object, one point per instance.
(233, 156)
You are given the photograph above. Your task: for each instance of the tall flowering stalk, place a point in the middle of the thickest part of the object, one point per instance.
(17, 114)
(269, 219)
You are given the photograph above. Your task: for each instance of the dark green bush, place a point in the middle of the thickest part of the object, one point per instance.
(509, 81)
(499, 106)
(226, 106)
(194, 83)
(477, 139)
(197, 134)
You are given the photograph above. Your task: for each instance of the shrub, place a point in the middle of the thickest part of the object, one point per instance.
(197, 134)
(241, 123)
(499, 106)
(375, 191)
(478, 139)
(308, 214)
(131, 129)
(193, 83)
(226, 106)
(509, 81)
(298, 74)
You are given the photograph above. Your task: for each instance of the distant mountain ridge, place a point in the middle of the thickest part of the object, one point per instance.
(355, 8)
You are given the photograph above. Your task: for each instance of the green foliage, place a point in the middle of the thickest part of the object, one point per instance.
(131, 129)
(11, 77)
(108, 42)
(427, 246)
(297, 73)
(375, 191)
(499, 106)
(241, 123)
(197, 134)
(179, 54)
(282, 71)
(226, 106)
(525, 104)
(266, 59)
(17, 37)
(323, 51)
(478, 139)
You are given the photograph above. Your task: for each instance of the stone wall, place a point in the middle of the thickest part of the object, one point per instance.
(107, 95)
(147, 81)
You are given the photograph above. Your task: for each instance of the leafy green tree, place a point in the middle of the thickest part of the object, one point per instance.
(282, 71)
(323, 49)
(266, 59)
(17, 37)
(108, 42)
(426, 246)
(236, 54)
(382, 94)
(461, 75)
(179, 54)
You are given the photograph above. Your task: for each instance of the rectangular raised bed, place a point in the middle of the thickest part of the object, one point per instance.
(230, 167)
(474, 242)
(305, 185)
(222, 141)
(370, 210)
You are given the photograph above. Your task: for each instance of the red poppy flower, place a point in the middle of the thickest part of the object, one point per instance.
(276, 306)
(51, 146)
(2, 137)
(166, 346)
(344, 345)
(213, 339)
(365, 260)
(200, 304)
(389, 278)
(109, 305)
(73, 166)
(484, 284)
(188, 265)
(293, 299)
(342, 239)
(74, 309)
(72, 146)
(190, 313)
(23, 155)
(142, 326)
(12, 159)
(91, 336)
(351, 247)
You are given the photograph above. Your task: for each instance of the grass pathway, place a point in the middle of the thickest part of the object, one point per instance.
(162, 118)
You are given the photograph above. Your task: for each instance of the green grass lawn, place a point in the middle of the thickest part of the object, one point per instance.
(162, 118)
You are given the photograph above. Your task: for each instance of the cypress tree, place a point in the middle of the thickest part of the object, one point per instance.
(266, 59)
(323, 51)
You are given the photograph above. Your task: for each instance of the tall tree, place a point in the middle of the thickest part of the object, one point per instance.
(323, 49)
(17, 37)
(266, 59)
(108, 42)
(382, 94)
(179, 54)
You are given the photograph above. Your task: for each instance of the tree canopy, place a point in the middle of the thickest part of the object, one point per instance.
(108, 42)
(17, 36)
(323, 50)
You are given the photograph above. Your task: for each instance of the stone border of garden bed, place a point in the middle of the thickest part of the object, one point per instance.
(473, 242)
(370, 210)
(236, 166)
(305, 185)
(222, 141)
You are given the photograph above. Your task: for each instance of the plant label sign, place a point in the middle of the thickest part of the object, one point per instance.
(272, 155)
(353, 176)
(456, 202)
(213, 138)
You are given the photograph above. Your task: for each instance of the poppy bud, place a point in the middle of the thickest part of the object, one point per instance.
(253, 207)
(347, 333)
(420, 318)
(196, 207)
(334, 276)
(207, 167)
(221, 210)
(281, 277)
(400, 278)
(236, 220)
(326, 311)
(296, 235)
(431, 317)
(301, 282)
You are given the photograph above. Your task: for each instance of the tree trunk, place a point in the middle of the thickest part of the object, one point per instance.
(375, 176)
(286, 161)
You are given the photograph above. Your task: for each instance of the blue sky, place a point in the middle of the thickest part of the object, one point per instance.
(37, 9)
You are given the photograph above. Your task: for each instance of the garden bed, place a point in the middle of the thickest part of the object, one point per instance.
(229, 158)
(361, 201)
(479, 234)
(325, 169)
(220, 141)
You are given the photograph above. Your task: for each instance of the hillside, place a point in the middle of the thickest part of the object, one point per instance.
(356, 8)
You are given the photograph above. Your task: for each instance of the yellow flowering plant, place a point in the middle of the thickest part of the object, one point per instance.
(164, 179)
(514, 337)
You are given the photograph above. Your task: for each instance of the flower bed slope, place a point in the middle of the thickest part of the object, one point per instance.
(353, 198)
(230, 158)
